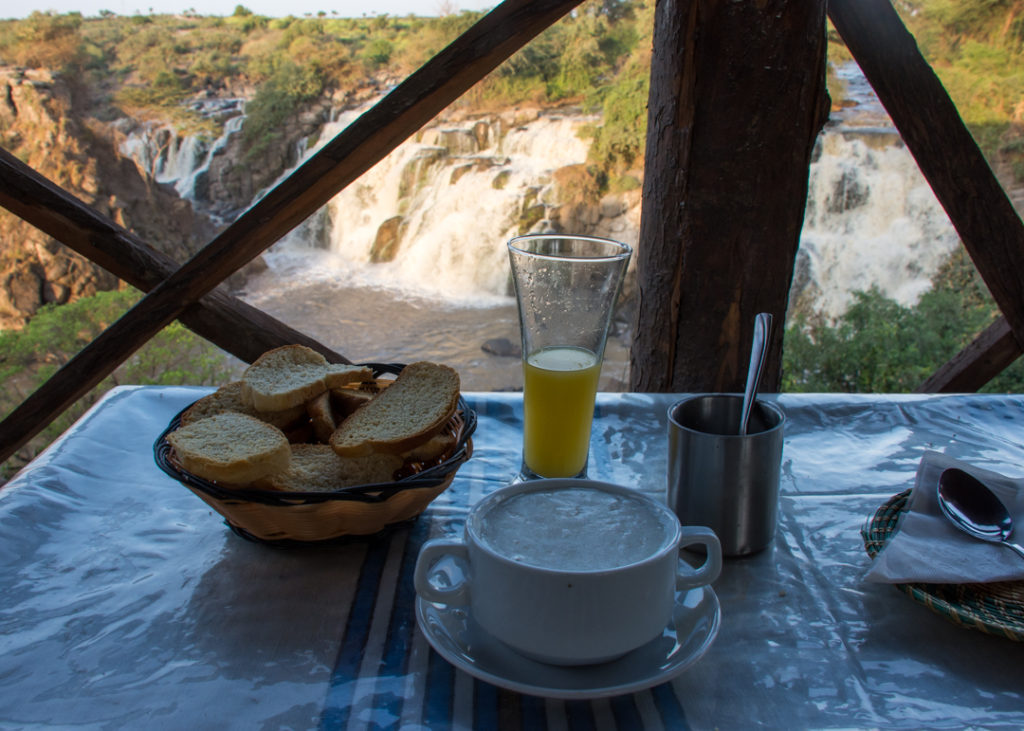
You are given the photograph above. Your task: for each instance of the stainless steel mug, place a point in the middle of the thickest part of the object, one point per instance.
(723, 480)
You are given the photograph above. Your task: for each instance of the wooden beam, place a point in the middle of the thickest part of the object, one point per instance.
(977, 364)
(242, 330)
(949, 159)
(736, 103)
(361, 145)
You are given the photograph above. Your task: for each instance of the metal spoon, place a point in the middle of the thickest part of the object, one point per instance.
(758, 351)
(974, 508)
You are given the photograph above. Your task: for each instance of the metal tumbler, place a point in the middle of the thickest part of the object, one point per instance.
(723, 480)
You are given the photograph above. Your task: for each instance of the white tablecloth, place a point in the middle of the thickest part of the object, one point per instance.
(125, 602)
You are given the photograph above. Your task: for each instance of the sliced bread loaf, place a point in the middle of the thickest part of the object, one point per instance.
(291, 375)
(231, 447)
(229, 398)
(321, 415)
(316, 468)
(347, 400)
(403, 416)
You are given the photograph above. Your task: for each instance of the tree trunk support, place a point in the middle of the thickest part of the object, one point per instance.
(736, 103)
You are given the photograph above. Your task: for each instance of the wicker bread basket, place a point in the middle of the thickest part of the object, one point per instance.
(302, 517)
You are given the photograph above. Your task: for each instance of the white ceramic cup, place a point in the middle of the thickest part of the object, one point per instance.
(576, 590)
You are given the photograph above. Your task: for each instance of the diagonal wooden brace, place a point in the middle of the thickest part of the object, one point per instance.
(413, 103)
(228, 322)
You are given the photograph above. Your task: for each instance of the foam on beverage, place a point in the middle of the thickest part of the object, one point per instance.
(574, 529)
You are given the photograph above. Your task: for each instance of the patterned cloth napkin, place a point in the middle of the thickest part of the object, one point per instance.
(928, 548)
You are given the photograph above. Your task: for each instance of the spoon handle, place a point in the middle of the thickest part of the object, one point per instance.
(1015, 546)
(758, 352)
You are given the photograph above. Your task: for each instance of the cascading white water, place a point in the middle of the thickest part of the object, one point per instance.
(454, 195)
(179, 160)
(871, 220)
(432, 218)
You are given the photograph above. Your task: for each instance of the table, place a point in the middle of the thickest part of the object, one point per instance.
(125, 602)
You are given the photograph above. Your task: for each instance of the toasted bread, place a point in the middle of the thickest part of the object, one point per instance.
(432, 448)
(403, 416)
(321, 414)
(231, 448)
(291, 375)
(347, 400)
(229, 398)
(316, 468)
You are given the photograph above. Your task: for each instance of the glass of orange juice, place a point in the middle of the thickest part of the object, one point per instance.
(566, 288)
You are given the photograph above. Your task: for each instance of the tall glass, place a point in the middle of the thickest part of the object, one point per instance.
(566, 288)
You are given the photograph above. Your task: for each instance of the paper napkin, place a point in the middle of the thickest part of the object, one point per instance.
(928, 548)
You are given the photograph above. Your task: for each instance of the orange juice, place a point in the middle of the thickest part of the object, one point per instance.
(560, 384)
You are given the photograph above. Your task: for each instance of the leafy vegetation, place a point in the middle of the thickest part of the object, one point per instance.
(880, 346)
(596, 57)
(977, 48)
(30, 356)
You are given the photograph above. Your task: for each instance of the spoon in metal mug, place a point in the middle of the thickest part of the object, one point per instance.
(758, 352)
(974, 508)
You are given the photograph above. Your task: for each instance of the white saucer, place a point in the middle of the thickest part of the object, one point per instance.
(460, 641)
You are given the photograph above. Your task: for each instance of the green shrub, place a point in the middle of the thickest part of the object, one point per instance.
(279, 98)
(47, 40)
(880, 346)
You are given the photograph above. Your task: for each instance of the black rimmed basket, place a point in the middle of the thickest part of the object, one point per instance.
(995, 608)
(306, 517)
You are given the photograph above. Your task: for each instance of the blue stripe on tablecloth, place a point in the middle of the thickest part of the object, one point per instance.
(667, 703)
(532, 712)
(485, 705)
(401, 629)
(438, 692)
(338, 704)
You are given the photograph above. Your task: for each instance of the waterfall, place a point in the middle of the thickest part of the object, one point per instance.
(162, 152)
(433, 217)
(871, 220)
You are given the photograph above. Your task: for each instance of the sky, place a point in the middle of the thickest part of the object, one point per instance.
(273, 8)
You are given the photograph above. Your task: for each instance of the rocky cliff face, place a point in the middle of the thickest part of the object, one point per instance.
(45, 122)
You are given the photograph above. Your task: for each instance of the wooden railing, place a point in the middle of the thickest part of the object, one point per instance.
(912, 94)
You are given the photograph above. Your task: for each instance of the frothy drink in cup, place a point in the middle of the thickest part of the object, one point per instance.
(567, 571)
(575, 529)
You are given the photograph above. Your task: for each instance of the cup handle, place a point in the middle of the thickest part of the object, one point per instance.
(456, 590)
(712, 566)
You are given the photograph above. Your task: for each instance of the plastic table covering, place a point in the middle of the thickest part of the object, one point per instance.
(125, 602)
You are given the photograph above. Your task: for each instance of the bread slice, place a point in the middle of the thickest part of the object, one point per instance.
(337, 375)
(347, 400)
(291, 375)
(321, 415)
(284, 377)
(432, 448)
(229, 398)
(403, 416)
(231, 448)
(316, 468)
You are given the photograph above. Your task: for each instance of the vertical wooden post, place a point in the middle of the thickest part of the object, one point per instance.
(737, 100)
